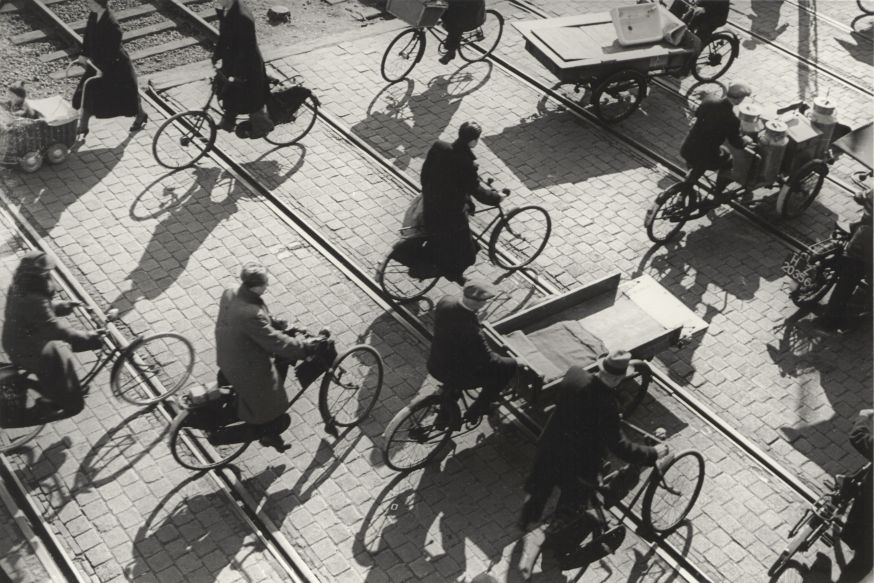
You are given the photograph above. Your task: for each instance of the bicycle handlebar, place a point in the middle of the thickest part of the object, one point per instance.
(861, 177)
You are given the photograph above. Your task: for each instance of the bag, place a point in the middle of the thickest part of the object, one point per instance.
(413, 224)
(316, 364)
(282, 104)
(13, 397)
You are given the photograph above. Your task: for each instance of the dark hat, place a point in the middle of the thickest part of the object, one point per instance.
(738, 90)
(615, 363)
(18, 89)
(478, 290)
(469, 130)
(102, 3)
(35, 262)
(253, 274)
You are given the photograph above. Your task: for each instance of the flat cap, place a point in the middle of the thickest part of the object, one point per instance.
(478, 290)
(35, 262)
(739, 90)
(253, 274)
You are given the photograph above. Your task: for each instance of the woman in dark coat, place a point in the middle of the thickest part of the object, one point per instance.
(115, 93)
(241, 63)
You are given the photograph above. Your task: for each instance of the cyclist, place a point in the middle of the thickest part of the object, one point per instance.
(38, 341)
(461, 358)
(253, 354)
(460, 17)
(449, 179)
(857, 532)
(703, 16)
(715, 123)
(572, 448)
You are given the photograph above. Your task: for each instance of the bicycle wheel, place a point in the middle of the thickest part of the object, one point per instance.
(522, 235)
(402, 54)
(413, 437)
(351, 386)
(286, 134)
(619, 95)
(395, 281)
(13, 438)
(866, 6)
(716, 57)
(152, 368)
(631, 391)
(802, 189)
(805, 296)
(671, 493)
(184, 139)
(198, 453)
(485, 38)
(668, 213)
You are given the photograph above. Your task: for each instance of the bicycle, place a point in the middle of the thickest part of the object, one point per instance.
(145, 371)
(356, 372)
(192, 133)
(406, 50)
(669, 494)
(826, 514)
(419, 433)
(508, 231)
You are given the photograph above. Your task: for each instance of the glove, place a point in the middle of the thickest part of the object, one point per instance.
(279, 323)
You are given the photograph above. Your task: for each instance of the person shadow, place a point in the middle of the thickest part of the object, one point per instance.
(764, 18)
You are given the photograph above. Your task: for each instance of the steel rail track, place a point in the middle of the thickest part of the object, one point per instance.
(836, 23)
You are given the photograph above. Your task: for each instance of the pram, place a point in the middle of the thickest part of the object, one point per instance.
(28, 142)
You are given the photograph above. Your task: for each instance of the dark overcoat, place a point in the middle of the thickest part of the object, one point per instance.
(246, 343)
(458, 346)
(115, 93)
(464, 15)
(583, 427)
(449, 178)
(715, 123)
(237, 47)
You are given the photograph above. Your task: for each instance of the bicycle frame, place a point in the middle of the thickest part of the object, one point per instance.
(495, 220)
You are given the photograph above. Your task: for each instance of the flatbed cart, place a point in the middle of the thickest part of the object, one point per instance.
(584, 50)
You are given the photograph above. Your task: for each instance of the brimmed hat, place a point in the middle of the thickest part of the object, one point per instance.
(36, 262)
(253, 274)
(478, 290)
(616, 363)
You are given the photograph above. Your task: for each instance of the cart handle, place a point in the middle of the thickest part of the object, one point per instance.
(90, 63)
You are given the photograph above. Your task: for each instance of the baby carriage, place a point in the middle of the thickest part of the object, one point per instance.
(27, 142)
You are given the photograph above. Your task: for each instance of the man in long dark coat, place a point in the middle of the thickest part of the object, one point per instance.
(247, 88)
(115, 92)
(449, 178)
(460, 17)
(858, 532)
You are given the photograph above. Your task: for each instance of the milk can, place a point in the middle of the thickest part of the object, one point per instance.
(822, 117)
(772, 147)
(749, 114)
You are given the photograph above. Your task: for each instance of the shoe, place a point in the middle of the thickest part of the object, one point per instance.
(139, 122)
(449, 56)
(226, 124)
(275, 442)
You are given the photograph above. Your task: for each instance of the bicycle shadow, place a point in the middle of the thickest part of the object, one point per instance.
(327, 460)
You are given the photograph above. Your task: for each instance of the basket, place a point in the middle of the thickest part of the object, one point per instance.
(284, 103)
(418, 13)
(20, 136)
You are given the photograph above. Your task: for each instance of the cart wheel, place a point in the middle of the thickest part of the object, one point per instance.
(30, 162)
(633, 388)
(716, 57)
(57, 153)
(801, 189)
(619, 95)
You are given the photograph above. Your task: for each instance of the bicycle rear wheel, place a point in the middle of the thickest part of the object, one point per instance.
(807, 296)
(286, 134)
(402, 54)
(398, 284)
(183, 139)
(351, 386)
(414, 437)
(523, 233)
(668, 213)
(190, 446)
(486, 38)
(152, 368)
(14, 438)
(671, 493)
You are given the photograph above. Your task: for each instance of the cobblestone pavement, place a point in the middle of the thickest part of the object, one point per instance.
(17, 556)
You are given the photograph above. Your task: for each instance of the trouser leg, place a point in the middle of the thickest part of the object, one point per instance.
(850, 271)
(493, 379)
(58, 378)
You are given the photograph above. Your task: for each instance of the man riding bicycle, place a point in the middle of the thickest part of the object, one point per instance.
(703, 17)
(573, 446)
(460, 17)
(37, 341)
(449, 179)
(254, 351)
(715, 123)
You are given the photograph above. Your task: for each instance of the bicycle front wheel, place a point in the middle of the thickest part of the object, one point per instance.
(286, 134)
(398, 284)
(184, 139)
(402, 54)
(520, 237)
(152, 368)
(478, 44)
(419, 433)
(191, 448)
(668, 213)
(672, 493)
(351, 386)
(14, 438)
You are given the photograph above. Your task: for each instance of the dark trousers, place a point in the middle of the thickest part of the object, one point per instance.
(58, 379)
(453, 39)
(492, 377)
(850, 272)
(226, 418)
(723, 174)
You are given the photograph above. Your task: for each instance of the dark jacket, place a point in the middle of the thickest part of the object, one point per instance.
(237, 47)
(458, 346)
(464, 15)
(715, 123)
(246, 342)
(583, 427)
(715, 15)
(115, 93)
(32, 320)
(449, 179)
(857, 531)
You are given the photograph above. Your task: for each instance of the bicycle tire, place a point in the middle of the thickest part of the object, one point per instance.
(517, 238)
(427, 407)
(473, 55)
(12, 439)
(287, 134)
(633, 389)
(141, 360)
(415, 44)
(719, 52)
(803, 187)
(395, 281)
(659, 482)
(807, 297)
(187, 458)
(677, 194)
(334, 378)
(191, 123)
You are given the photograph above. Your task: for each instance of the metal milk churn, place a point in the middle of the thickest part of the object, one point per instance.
(823, 118)
(772, 147)
(749, 114)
